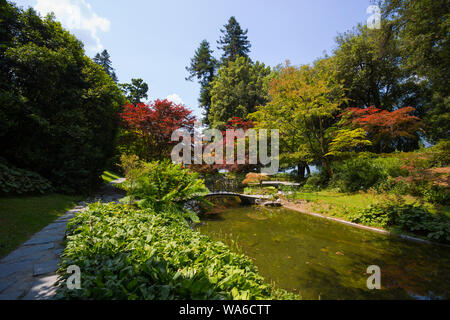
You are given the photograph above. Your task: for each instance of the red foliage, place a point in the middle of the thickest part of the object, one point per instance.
(384, 126)
(236, 123)
(153, 124)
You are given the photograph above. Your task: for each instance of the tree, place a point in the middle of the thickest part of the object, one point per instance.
(238, 88)
(136, 91)
(237, 123)
(203, 67)
(422, 29)
(387, 130)
(149, 128)
(304, 104)
(58, 108)
(234, 42)
(370, 68)
(103, 60)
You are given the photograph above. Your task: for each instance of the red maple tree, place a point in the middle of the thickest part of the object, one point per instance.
(385, 128)
(150, 126)
(236, 123)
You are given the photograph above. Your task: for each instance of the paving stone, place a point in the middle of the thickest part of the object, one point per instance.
(65, 218)
(11, 268)
(42, 289)
(45, 267)
(23, 268)
(55, 226)
(44, 239)
(51, 232)
(12, 295)
(5, 284)
(23, 252)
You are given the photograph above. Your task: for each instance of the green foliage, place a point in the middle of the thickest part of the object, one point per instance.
(346, 140)
(15, 181)
(316, 182)
(270, 191)
(143, 255)
(135, 91)
(364, 173)
(203, 67)
(368, 64)
(239, 87)
(422, 29)
(305, 103)
(437, 194)
(103, 60)
(57, 107)
(408, 217)
(161, 184)
(430, 192)
(440, 153)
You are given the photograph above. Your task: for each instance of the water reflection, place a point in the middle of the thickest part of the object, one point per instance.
(324, 259)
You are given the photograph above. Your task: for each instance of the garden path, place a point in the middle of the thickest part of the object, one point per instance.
(29, 272)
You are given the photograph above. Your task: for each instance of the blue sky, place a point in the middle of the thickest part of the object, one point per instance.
(154, 40)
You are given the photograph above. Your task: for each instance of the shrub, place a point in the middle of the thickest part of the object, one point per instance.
(271, 191)
(14, 181)
(424, 186)
(161, 184)
(408, 217)
(440, 153)
(436, 194)
(255, 178)
(138, 254)
(316, 182)
(364, 173)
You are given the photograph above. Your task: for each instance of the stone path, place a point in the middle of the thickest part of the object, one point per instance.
(29, 272)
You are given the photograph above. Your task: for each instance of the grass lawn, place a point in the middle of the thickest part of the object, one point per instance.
(21, 217)
(109, 176)
(336, 204)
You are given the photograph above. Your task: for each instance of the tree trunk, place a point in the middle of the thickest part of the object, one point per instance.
(308, 171)
(327, 166)
(301, 172)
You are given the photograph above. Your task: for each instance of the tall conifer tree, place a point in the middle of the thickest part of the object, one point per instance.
(233, 42)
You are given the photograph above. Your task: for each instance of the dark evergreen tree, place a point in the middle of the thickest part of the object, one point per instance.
(203, 67)
(136, 91)
(103, 59)
(234, 41)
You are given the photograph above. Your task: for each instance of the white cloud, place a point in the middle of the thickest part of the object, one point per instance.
(175, 98)
(79, 18)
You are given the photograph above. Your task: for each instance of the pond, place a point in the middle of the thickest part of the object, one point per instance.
(322, 259)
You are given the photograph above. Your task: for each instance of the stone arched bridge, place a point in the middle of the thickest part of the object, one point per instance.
(245, 198)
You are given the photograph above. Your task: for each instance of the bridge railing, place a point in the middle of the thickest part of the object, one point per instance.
(218, 184)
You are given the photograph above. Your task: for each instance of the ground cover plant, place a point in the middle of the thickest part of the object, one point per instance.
(129, 253)
(406, 217)
(15, 181)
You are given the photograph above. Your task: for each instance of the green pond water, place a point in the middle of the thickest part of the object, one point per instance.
(322, 259)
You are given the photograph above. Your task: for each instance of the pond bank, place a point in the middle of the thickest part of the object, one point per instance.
(327, 259)
(299, 208)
